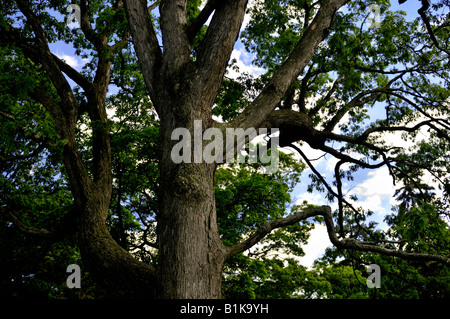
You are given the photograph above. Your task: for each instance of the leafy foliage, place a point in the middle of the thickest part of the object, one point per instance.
(356, 71)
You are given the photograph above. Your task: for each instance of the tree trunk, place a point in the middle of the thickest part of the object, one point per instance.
(191, 253)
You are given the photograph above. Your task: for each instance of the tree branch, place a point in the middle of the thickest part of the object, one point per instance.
(421, 11)
(356, 101)
(275, 89)
(177, 48)
(76, 76)
(99, 41)
(154, 5)
(217, 46)
(324, 100)
(14, 158)
(264, 230)
(33, 52)
(25, 228)
(323, 181)
(118, 46)
(201, 19)
(50, 65)
(359, 101)
(145, 42)
(65, 112)
(345, 243)
(295, 126)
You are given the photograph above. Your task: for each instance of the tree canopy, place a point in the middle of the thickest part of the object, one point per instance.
(87, 145)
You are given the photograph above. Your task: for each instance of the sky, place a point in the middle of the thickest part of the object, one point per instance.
(374, 188)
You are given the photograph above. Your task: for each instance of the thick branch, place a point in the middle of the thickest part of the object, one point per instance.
(33, 53)
(173, 29)
(145, 41)
(77, 171)
(154, 5)
(25, 228)
(346, 243)
(277, 223)
(51, 67)
(217, 46)
(76, 76)
(295, 126)
(273, 92)
(99, 41)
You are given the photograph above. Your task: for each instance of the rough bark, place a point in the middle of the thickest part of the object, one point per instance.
(191, 254)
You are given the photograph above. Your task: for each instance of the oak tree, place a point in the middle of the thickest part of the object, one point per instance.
(325, 72)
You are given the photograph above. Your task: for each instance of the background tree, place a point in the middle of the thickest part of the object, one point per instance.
(114, 189)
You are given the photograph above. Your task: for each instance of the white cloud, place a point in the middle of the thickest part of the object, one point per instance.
(314, 249)
(243, 62)
(331, 163)
(70, 60)
(375, 189)
(317, 243)
(315, 198)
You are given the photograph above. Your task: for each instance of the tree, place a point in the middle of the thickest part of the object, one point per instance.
(323, 66)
